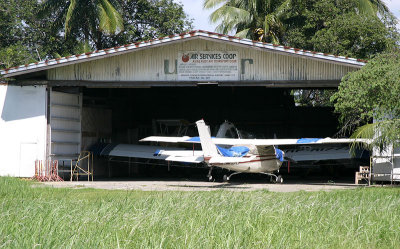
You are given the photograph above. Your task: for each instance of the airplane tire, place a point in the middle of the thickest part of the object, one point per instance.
(279, 179)
(225, 178)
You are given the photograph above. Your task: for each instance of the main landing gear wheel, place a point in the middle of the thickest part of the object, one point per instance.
(279, 179)
(210, 178)
(273, 178)
(225, 178)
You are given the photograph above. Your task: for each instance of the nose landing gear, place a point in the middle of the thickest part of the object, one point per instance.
(210, 177)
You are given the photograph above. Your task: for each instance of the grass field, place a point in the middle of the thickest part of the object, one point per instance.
(42, 217)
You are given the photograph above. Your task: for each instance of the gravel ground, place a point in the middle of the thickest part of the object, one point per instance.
(176, 185)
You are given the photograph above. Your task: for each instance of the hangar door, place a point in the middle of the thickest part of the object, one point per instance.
(22, 129)
(65, 123)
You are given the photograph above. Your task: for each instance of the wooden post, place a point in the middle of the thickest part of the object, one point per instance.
(88, 167)
(92, 167)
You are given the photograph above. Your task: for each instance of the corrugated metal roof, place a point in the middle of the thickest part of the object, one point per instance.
(98, 54)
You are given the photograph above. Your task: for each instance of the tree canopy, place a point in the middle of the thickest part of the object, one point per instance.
(83, 19)
(369, 95)
(143, 20)
(341, 27)
(254, 19)
(357, 28)
(35, 30)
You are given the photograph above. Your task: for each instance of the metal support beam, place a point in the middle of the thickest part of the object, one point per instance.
(48, 125)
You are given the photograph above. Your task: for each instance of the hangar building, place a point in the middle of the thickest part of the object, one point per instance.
(57, 108)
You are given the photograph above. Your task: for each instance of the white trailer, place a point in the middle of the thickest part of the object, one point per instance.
(385, 165)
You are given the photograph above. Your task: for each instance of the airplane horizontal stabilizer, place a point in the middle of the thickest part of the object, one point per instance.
(166, 139)
(223, 160)
(186, 159)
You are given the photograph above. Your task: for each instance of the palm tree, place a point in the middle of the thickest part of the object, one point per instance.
(262, 19)
(84, 18)
(382, 134)
(253, 19)
(372, 7)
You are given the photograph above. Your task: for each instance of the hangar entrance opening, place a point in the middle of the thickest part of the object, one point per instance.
(267, 113)
(126, 115)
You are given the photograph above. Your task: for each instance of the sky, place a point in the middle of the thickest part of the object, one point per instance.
(194, 8)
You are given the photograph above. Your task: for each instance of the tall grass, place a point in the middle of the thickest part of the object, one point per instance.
(43, 217)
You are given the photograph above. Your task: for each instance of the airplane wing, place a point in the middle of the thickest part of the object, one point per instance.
(318, 153)
(260, 142)
(153, 152)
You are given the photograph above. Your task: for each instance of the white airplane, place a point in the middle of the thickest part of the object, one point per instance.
(226, 129)
(241, 155)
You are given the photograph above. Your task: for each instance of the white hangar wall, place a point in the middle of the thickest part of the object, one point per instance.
(159, 64)
(22, 129)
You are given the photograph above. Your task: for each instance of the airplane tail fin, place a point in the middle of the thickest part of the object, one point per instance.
(209, 148)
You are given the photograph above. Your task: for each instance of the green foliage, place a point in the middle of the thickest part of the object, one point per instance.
(371, 7)
(27, 35)
(309, 24)
(253, 19)
(381, 133)
(354, 36)
(310, 16)
(336, 27)
(145, 20)
(165, 17)
(38, 216)
(14, 20)
(313, 97)
(82, 19)
(372, 93)
(37, 30)
(106, 23)
(16, 54)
